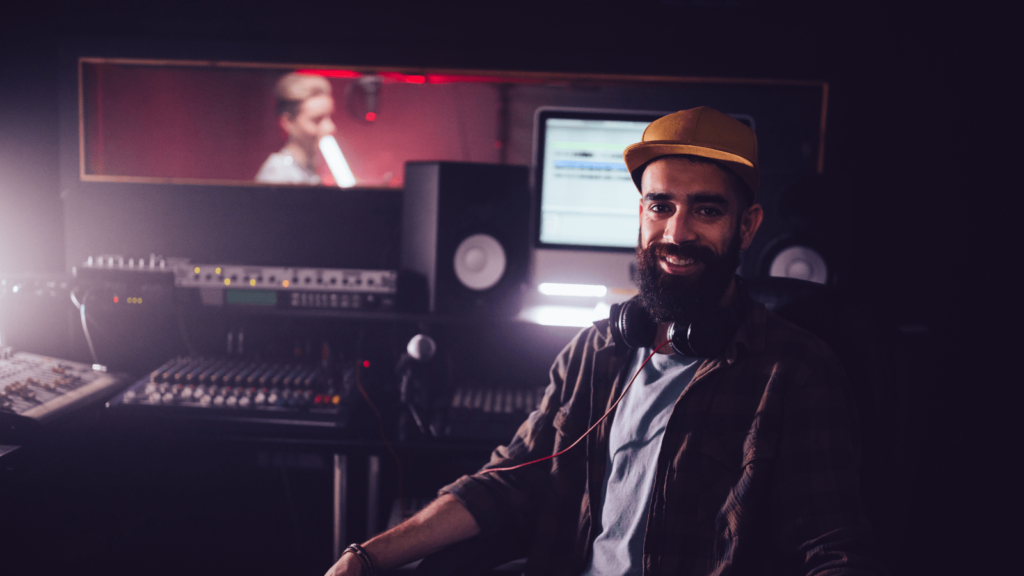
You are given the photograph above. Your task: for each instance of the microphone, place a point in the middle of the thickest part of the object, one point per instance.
(421, 347)
(415, 387)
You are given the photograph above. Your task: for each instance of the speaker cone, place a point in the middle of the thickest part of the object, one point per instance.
(800, 262)
(479, 262)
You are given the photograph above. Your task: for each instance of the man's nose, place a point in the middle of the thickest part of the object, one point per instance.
(678, 229)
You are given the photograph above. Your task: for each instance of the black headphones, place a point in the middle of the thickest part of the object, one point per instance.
(706, 336)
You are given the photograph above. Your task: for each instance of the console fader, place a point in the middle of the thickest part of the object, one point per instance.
(240, 390)
(36, 390)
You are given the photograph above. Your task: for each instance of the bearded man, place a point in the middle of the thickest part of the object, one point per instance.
(732, 452)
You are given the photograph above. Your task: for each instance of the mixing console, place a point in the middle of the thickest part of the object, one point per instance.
(490, 413)
(238, 390)
(35, 390)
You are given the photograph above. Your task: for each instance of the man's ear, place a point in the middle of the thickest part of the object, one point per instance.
(749, 223)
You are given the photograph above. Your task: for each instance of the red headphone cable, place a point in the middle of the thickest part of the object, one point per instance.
(591, 429)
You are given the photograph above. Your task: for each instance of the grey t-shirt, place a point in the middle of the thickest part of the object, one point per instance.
(633, 446)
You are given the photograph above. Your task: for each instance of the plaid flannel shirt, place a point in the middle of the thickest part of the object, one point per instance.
(758, 471)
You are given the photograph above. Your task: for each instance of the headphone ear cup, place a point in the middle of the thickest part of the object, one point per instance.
(632, 326)
(614, 320)
(679, 340)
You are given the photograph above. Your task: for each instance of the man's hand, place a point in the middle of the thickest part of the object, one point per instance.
(443, 523)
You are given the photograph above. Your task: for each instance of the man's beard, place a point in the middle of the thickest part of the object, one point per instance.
(671, 298)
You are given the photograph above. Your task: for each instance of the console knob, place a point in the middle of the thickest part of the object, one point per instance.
(218, 401)
(244, 402)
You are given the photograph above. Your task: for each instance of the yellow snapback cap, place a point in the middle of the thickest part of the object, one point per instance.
(699, 131)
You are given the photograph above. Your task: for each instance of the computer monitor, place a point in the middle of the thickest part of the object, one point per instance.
(585, 212)
(586, 198)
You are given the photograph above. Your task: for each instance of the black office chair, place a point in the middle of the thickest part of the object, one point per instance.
(872, 355)
(870, 352)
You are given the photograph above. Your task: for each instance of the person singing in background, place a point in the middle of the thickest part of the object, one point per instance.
(304, 108)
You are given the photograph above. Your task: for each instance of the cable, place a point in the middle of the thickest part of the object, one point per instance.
(591, 429)
(85, 324)
(383, 437)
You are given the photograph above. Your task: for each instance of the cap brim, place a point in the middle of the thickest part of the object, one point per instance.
(636, 155)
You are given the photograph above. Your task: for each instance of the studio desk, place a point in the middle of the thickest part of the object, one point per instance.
(161, 440)
(312, 421)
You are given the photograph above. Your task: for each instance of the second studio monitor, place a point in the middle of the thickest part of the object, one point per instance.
(465, 227)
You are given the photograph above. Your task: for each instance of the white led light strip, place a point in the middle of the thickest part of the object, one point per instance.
(580, 290)
(336, 162)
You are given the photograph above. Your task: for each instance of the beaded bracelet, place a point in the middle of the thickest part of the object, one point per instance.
(364, 558)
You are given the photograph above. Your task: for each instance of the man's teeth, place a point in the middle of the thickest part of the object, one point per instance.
(678, 261)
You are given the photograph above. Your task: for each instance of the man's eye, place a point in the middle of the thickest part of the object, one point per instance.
(659, 208)
(709, 211)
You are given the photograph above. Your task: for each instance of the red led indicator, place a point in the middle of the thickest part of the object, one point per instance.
(366, 363)
(371, 116)
(115, 299)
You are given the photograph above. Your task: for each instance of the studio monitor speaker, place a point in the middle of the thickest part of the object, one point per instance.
(806, 231)
(465, 228)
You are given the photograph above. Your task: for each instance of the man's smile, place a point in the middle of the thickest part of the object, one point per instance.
(677, 265)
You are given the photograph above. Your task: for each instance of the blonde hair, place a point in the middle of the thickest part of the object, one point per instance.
(293, 89)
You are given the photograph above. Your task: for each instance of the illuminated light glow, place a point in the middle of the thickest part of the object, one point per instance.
(575, 316)
(406, 78)
(197, 270)
(285, 283)
(217, 270)
(498, 144)
(452, 78)
(580, 290)
(371, 116)
(336, 162)
(424, 79)
(252, 282)
(227, 281)
(332, 73)
(115, 299)
(336, 399)
(366, 363)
